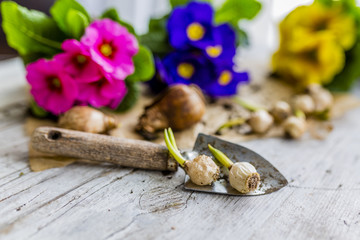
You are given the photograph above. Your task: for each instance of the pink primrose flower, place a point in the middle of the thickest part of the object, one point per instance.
(112, 47)
(52, 88)
(104, 92)
(77, 62)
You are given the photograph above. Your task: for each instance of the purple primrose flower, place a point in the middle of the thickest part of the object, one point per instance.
(226, 82)
(195, 68)
(160, 79)
(203, 52)
(222, 49)
(191, 26)
(189, 67)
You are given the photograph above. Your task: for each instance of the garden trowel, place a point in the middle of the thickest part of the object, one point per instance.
(147, 155)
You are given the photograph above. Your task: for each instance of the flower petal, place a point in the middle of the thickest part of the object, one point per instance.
(121, 46)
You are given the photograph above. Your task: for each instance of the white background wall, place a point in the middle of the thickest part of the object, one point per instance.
(137, 12)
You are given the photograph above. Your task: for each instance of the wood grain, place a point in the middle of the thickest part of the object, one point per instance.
(102, 148)
(84, 201)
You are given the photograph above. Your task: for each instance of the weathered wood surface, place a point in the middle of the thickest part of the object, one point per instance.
(84, 201)
(102, 148)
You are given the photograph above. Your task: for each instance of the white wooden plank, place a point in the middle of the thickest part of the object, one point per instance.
(104, 202)
(34, 192)
(315, 214)
(12, 81)
(101, 195)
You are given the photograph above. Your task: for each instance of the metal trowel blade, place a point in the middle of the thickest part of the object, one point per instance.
(271, 179)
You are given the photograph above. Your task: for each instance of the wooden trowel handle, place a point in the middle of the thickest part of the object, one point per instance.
(102, 148)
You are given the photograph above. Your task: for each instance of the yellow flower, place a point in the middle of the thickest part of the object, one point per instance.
(306, 21)
(318, 63)
(313, 41)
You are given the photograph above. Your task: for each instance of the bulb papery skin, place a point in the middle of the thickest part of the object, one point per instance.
(281, 111)
(86, 119)
(244, 177)
(261, 121)
(304, 103)
(323, 99)
(295, 127)
(202, 170)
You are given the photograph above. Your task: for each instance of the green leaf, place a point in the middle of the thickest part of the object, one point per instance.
(60, 11)
(144, 66)
(242, 38)
(348, 6)
(234, 10)
(351, 72)
(76, 23)
(157, 39)
(157, 43)
(30, 31)
(113, 15)
(33, 56)
(130, 98)
(37, 110)
(176, 3)
(345, 3)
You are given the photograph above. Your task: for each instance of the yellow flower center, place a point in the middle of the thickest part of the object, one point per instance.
(185, 70)
(225, 78)
(320, 26)
(54, 84)
(106, 49)
(195, 31)
(81, 59)
(99, 83)
(311, 55)
(214, 51)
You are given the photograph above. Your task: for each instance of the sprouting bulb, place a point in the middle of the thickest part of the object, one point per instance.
(304, 103)
(242, 175)
(261, 121)
(295, 126)
(280, 111)
(202, 170)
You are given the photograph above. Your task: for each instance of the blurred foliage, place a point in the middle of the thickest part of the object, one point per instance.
(345, 80)
(144, 66)
(37, 111)
(157, 37)
(70, 17)
(131, 96)
(30, 32)
(232, 11)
